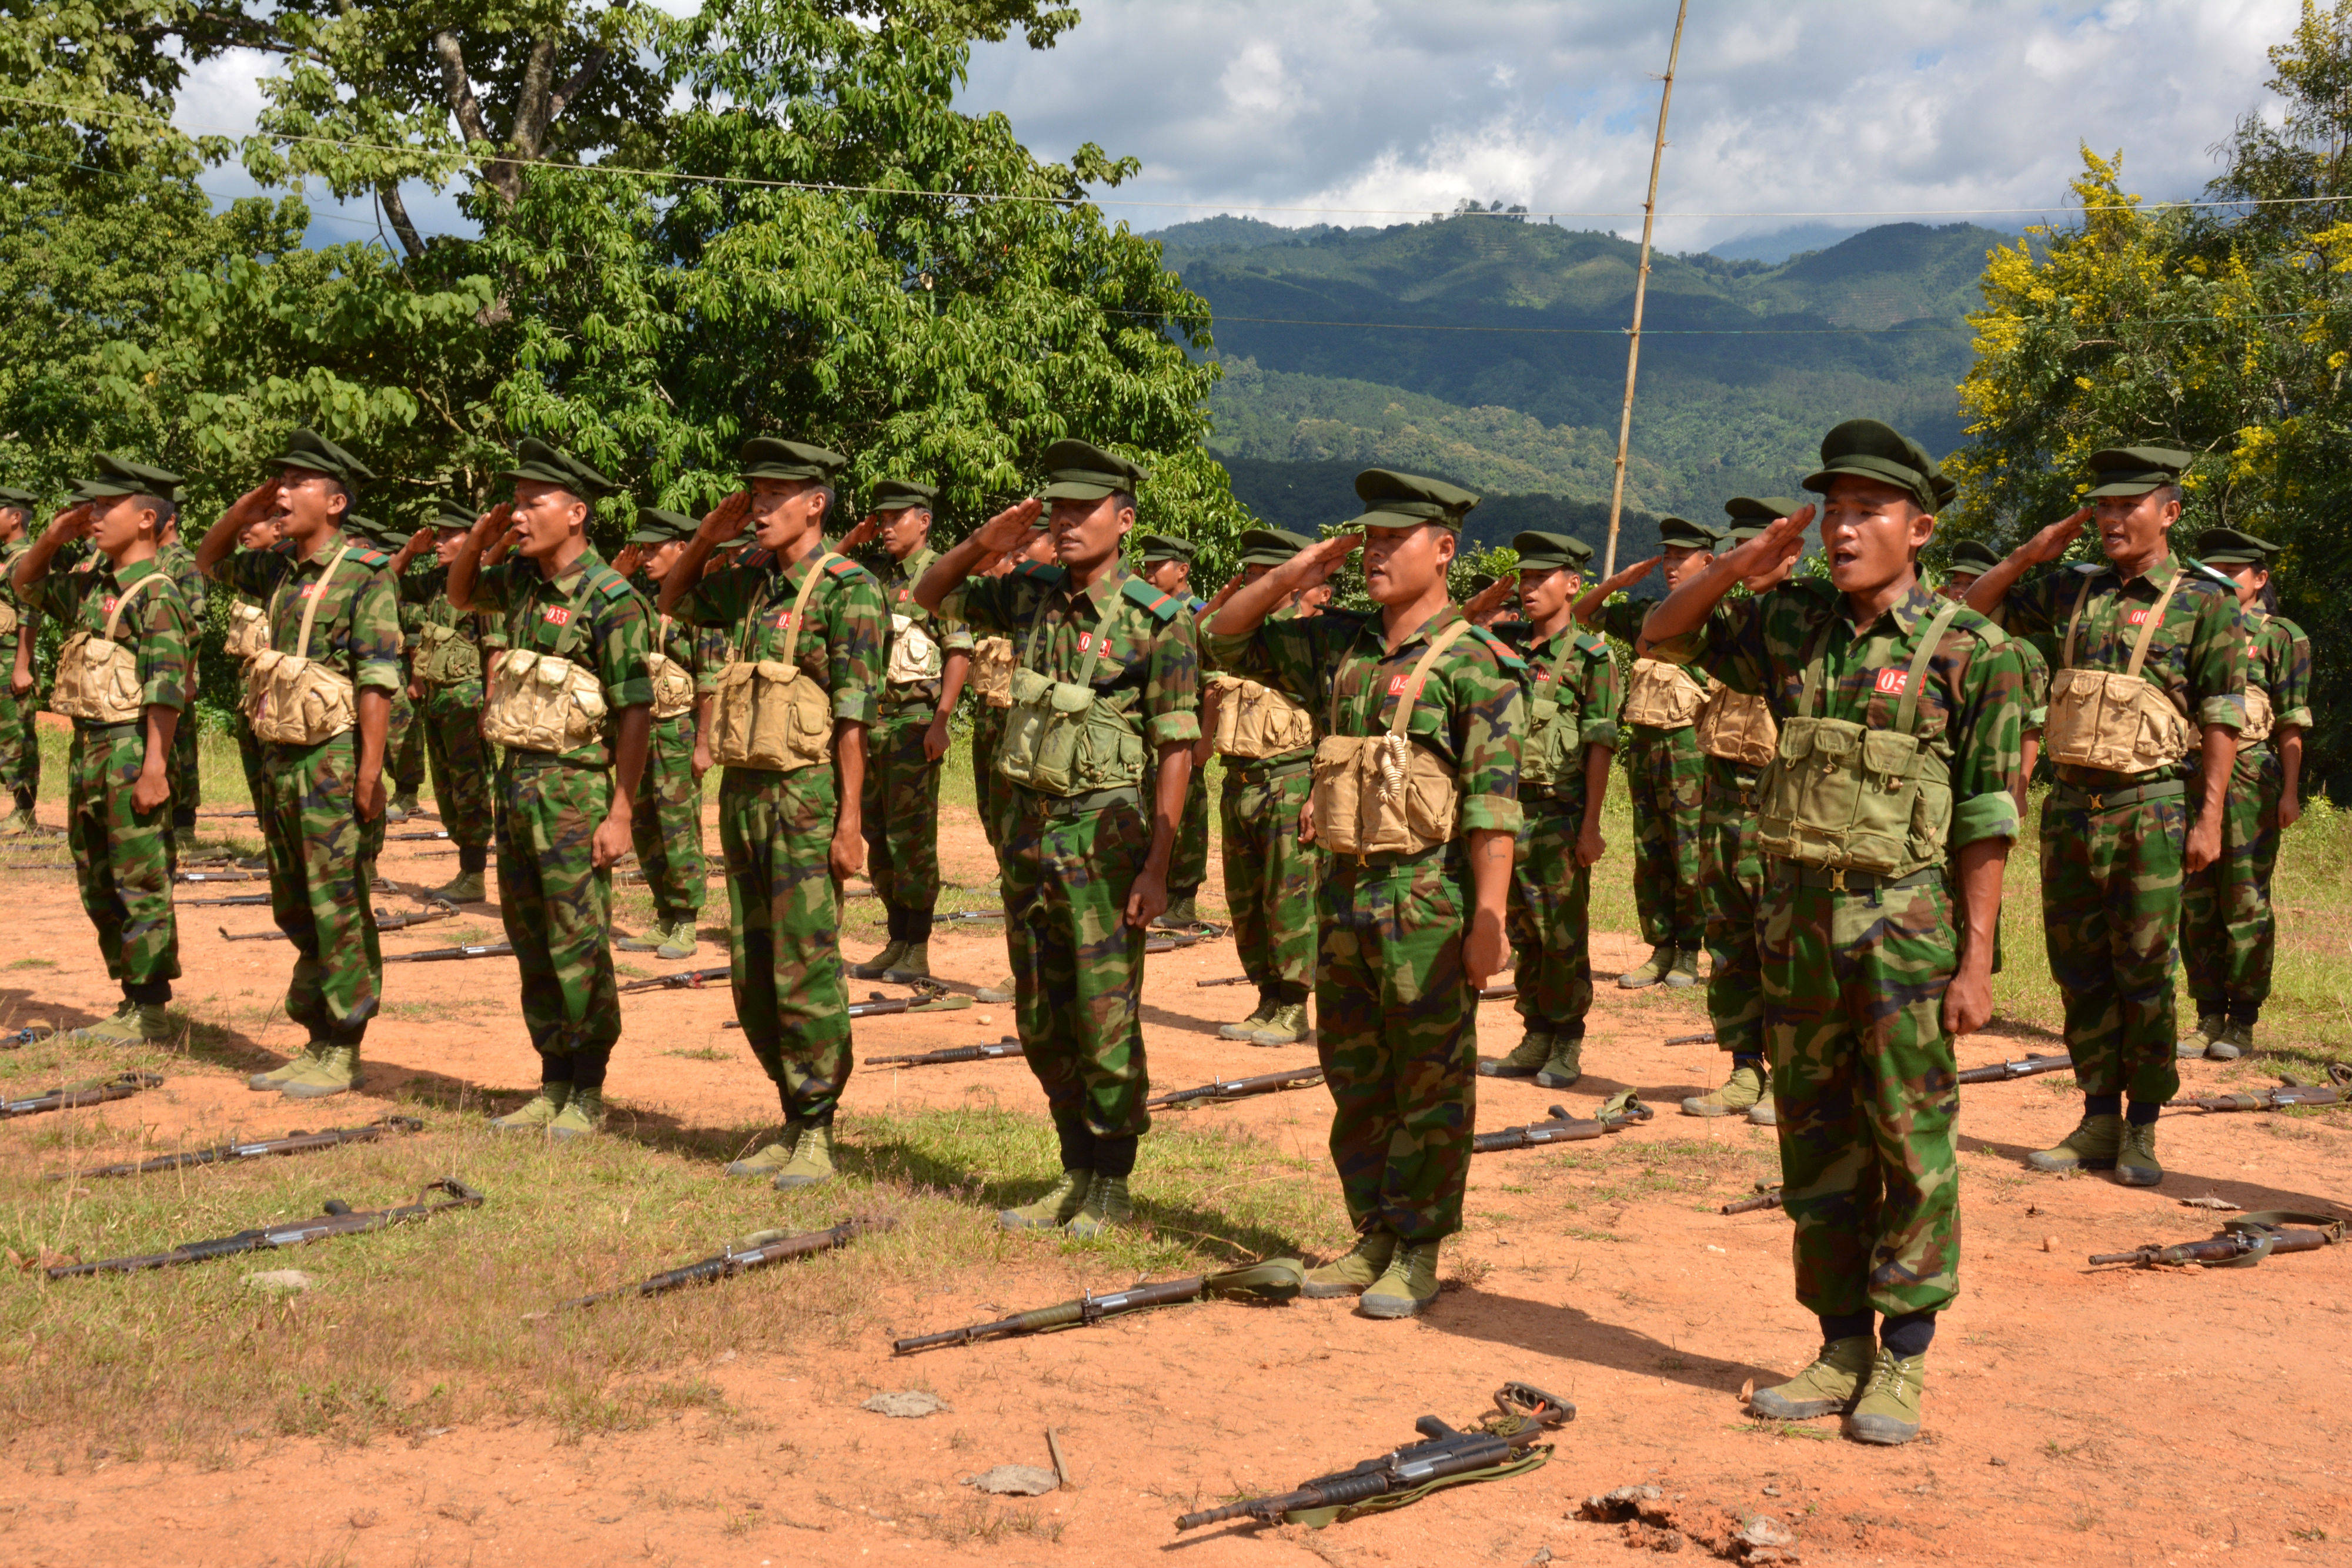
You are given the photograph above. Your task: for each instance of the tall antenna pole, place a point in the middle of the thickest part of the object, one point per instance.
(1640, 291)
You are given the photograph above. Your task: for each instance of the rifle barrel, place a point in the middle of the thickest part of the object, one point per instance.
(1703, 1037)
(296, 1143)
(766, 1247)
(1236, 1088)
(451, 955)
(1087, 1308)
(93, 1092)
(2003, 1072)
(682, 980)
(1009, 1048)
(1762, 1200)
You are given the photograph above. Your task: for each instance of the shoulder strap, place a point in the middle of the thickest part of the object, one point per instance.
(1920, 656)
(311, 610)
(800, 603)
(2155, 619)
(1809, 693)
(1437, 645)
(1102, 636)
(2066, 661)
(122, 600)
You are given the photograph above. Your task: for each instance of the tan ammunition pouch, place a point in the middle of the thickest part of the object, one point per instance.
(770, 714)
(673, 682)
(1840, 794)
(1663, 696)
(249, 631)
(447, 656)
(2260, 717)
(98, 677)
(1738, 728)
(1060, 738)
(992, 670)
(291, 699)
(2115, 721)
(1381, 794)
(8, 619)
(1551, 752)
(914, 653)
(1256, 722)
(537, 702)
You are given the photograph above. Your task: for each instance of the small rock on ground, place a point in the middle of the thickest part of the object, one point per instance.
(1015, 1480)
(908, 1402)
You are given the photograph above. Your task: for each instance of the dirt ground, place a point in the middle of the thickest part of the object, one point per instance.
(2074, 1415)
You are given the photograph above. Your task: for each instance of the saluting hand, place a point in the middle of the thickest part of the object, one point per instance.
(1009, 530)
(725, 522)
(868, 529)
(1485, 607)
(1773, 551)
(1626, 577)
(2049, 543)
(627, 561)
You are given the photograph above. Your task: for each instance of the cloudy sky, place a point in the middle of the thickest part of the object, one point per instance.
(1786, 113)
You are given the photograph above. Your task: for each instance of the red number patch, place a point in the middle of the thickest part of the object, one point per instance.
(555, 614)
(1891, 682)
(2138, 617)
(1396, 685)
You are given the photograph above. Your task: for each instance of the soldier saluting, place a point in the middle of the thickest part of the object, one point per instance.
(1110, 671)
(1416, 801)
(20, 700)
(1899, 716)
(2147, 660)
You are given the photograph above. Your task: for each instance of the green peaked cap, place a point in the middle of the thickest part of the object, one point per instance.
(548, 465)
(1081, 471)
(1271, 546)
(121, 476)
(2135, 470)
(659, 527)
(1865, 449)
(1751, 514)
(1541, 551)
(305, 448)
(2234, 547)
(1167, 546)
(1681, 533)
(1393, 500)
(451, 512)
(1976, 556)
(903, 495)
(773, 457)
(12, 496)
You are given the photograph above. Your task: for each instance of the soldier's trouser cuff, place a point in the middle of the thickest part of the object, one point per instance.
(2246, 1013)
(1078, 1140)
(588, 1065)
(1116, 1156)
(147, 993)
(916, 925)
(472, 860)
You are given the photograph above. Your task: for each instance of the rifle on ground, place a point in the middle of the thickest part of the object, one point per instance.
(16, 1040)
(756, 1250)
(340, 1219)
(1497, 993)
(1170, 941)
(1224, 981)
(931, 999)
(1615, 1114)
(1443, 1452)
(441, 833)
(2002, 1071)
(220, 876)
(388, 922)
(1009, 1046)
(91, 1092)
(294, 1143)
(1767, 1196)
(1703, 1037)
(682, 980)
(968, 916)
(1236, 1088)
(2243, 1242)
(2290, 1091)
(1274, 1281)
(231, 813)
(452, 954)
(243, 900)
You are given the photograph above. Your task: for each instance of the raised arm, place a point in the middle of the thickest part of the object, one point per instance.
(1686, 608)
(221, 537)
(34, 564)
(722, 523)
(1007, 531)
(1253, 602)
(467, 568)
(1588, 603)
(1985, 594)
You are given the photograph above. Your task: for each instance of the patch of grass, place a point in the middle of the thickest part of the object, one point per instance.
(703, 1053)
(33, 963)
(1783, 1429)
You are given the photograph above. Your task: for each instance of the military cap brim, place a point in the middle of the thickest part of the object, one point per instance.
(1974, 556)
(1763, 510)
(2126, 471)
(1271, 546)
(12, 496)
(1542, 551)
(118, 477)
(1866, 449)
(657, 526)
(2234, 547)
(772, 457)
(1167, 546)
(308, 449)
(903, 495)
(1681, 533)
(1081, 471)
(537, 461)
(1395, 500)
(453, 513)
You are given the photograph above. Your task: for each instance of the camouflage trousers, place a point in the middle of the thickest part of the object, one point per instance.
(1188, 860)
(248, 753)
(1863, 1076)
(404, 748)
(1731, 883)
(902, 818)
(20, 739)
(322, 866)
(451, 718)
(122, 856)
(556, 905)
(1078, 965)
(1270, 877)
(1397, 1031)
(784, 924)
(2110, 911)
(665, 825)
(1550, 930)
(1666, 771)
(990, 793)
(2228, 934)
(186, 777)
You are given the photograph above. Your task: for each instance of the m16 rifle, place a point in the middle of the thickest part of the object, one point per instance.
(928, 998)
(679, 980)
(1767, 1196)
(2002, 1071)
(91, 1092)
(1274, 1281)
(2290, 1091)
(1003, 1049)
(383, 923)
(340, 1219)
(297, 1142)
(2245, 1241)
(1217, 1094)
(453, 954)
(756, 1250)
(1703, 1037)
(1618, 1113)
(242, 900)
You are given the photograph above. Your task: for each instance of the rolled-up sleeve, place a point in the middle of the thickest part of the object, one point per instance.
(1988, 739)
(854, 653)
(1172, 689)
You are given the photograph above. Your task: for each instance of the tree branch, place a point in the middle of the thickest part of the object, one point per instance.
(387, 195)
(459, 87)
(579, 82)
(531, 113)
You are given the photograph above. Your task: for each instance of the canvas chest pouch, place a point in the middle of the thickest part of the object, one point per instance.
(1383, 794)
(98, 677)
(292, 699)
(770, 715)
(2115, 721)
(1060, 737)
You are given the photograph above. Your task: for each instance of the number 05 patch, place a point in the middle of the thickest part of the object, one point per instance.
(1891, 682)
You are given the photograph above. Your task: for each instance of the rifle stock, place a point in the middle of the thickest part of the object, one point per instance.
(1006, 1048)
(453, 954)
(681, 980)
(340, 1219)
(1765, 1198)
(2002, 1071)
(2245, 1241)
(91, 1091)
(1615, 1114)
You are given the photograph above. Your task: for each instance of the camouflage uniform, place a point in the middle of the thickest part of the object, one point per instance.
(403, 737)
(1069, 864)
(1666, 773)
(187, 785)
(321, 854)
(449, 715)
(988, 790)
(1853, 966)
(249, 745)
(1396, 1019)
(2112, 843)
(776, 829)
(1188, 860)
(20, 739)
(2227, 929)
(1270, 875)
(666, 826)
(901, 815)
(122, 856)
(556, 905)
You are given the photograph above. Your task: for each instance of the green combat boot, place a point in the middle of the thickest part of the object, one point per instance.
(1180, 916)
(1406, 1286)
(466, 887)
(1685, 971)
(2230, 1041)
(1527, 1058)
(682, 941)
(405, 805)
(1355, 1272)
(294, 1065)
(1565, 1065)
(2135, 1157)
(1764, 1113)
(1287, 1027)
(1107, 1203)
(2090, 1147)
(131, 1023)
(18, 821)
(773, 1158)
(1002, 991)
(1058, 1207)
(583, 1115)
(1828, 1387)
(337, 1071)
(536, 1113)
(1261, 1016)
(1889, 1411)
(914, 963)
(874, 968)
(811, 1160)
(1744, 1087)
(2195, 1042)
(394, 811)
(1651, 971)
(649, 941)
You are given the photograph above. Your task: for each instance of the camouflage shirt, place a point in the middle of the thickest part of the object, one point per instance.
(157, 627)
(1148, 664)
(1469, 711)
(1971, 715)
(586, 614)
(2280, 662)
(2197, 657)
(1579, 661)
(27, 618)
(357, 630)
(699, 650)
(179, 560)
(751, 608)
(897, 579)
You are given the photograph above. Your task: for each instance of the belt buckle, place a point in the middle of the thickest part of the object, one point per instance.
(1837, 879)
(2098, 800)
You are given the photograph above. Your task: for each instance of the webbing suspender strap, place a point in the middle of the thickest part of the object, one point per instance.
(122, 602)
(1906, 711)
(1413, 682)
(1095, 647)
(2147, 628)
(796, 615)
